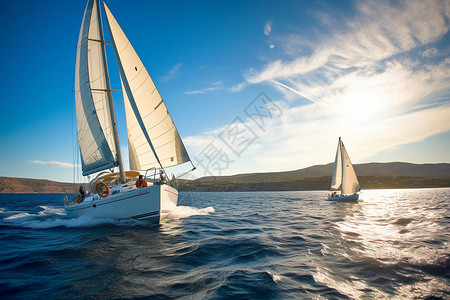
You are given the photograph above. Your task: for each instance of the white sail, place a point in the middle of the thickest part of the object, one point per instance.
(95, 131)
(152, 136)
(350, 183)
(336, 182)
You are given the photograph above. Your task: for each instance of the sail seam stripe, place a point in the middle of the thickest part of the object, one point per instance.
(150, 113)
(138, 87)
(161, 135)
(126, 46)
(135, 76)
(162, 120)
(164, 133)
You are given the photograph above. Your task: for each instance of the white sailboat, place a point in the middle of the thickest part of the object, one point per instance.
(344, 185)
(153, 140)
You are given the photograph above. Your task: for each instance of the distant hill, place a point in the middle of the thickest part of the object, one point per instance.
(371, 175)
(370, 169)
(25, 185)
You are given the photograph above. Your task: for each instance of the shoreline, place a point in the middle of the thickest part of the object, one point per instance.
(242, 191)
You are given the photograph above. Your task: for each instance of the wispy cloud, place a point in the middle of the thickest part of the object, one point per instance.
(379, 31)
(215, 86)
(378, 79)
(430, 52)
(172, 73)
(238, 87)
(54, 164)
(219, 86)
(372, 70)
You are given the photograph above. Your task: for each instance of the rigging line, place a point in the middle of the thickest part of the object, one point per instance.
(185, 181)
(74, 133)
(73, 145)
(179, 176)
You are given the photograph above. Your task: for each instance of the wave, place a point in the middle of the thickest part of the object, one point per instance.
(46, 211)
(27, 221)
(53, 217)
(275, 278)
(181, 212)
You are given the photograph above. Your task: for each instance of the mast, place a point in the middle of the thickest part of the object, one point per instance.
(111, 105)
(342, 166)
(336, 181)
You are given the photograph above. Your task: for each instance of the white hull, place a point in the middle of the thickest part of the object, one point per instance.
(351, 197)
(152, 203)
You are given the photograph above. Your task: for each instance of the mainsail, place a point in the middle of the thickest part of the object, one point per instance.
(350, 183)
(152, 136)
(344, 176)
(93, 110)
(337, 172)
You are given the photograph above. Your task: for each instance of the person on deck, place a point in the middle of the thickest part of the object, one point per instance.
(162, 178)
(81, 194)
(140, 183)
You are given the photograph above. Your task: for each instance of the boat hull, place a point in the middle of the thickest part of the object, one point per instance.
(352, 197)
(152, 204)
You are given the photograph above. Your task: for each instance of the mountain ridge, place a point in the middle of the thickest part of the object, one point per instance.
(30, 185)
(366, 169)
(371, 175)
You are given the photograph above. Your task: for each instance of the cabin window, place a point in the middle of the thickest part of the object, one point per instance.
(135, 68)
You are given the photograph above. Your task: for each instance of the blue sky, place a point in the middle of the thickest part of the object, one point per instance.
(252, 86)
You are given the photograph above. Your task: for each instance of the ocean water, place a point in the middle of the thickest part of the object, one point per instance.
(392, 244)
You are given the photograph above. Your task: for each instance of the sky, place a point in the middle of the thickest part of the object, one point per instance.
(252, 86)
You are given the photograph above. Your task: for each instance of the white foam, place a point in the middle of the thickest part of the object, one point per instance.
(47, 211)
(52, 217)
(50, 210)
(275, 278)
(181, 212)
(19, 216)
(83, 221)
(9, 212)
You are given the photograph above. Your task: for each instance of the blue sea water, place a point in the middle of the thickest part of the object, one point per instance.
(392, 244)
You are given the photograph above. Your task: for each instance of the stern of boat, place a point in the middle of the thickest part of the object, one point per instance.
(350, 197)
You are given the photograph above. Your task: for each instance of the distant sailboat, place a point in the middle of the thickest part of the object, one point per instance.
(153, 140)
(344, 177)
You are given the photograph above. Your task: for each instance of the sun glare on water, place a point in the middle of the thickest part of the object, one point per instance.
(384, 233)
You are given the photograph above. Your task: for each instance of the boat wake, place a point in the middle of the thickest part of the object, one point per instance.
(53, 217)
(182, 212)
(43, 211)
